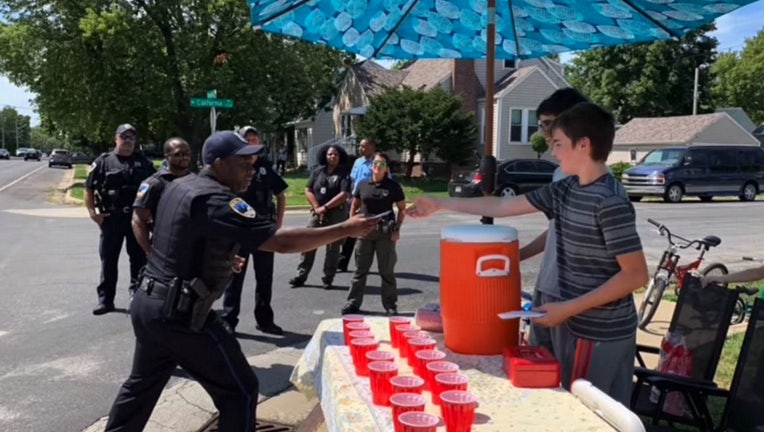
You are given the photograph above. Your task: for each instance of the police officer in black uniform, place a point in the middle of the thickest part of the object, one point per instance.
(177, 153)
(266, 184)
(327, 191)
(376, 197)
(110, 190)
(199, 226)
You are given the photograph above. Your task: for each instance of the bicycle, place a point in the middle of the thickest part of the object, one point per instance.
(742, 307)
(669, 270)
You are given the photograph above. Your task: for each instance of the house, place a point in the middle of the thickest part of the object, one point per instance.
(641, 135)
(519, 88)
(740, 116)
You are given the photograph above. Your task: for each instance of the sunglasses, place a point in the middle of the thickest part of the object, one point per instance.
(180, 154)
(128, 137)
(545, 125)
(379, 164)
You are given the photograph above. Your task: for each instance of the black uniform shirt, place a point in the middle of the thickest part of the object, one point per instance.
(151, 190)
(379, 197)
(120, 173)
(214, 214)
(325, 186)
(265, 184)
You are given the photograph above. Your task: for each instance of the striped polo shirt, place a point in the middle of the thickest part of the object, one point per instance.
(594, 224)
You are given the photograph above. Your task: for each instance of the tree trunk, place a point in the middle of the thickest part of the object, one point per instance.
(410, 164)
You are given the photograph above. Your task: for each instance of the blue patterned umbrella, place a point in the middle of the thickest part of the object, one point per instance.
(410, 29)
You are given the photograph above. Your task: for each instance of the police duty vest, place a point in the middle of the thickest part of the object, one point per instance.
(180, 250)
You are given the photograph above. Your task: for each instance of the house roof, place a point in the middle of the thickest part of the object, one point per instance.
(664, 130)
(426, 74)
(511, 80)
(374, 78)
(740, 116)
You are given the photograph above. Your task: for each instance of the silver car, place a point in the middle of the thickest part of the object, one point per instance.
(4, 154)
(60, 157)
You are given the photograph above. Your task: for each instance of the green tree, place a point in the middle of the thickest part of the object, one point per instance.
(419, 121)
(738, 78)
(14, 130)
(647, 80)
(538, 144)
(94, 64)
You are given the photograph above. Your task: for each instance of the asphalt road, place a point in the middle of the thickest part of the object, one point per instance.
(60, 366)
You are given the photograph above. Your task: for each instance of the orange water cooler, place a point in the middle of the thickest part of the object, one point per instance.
(479, 278)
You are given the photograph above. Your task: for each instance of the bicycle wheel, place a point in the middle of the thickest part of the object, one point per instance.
(715, 269)
(738, 314)
(652, 298)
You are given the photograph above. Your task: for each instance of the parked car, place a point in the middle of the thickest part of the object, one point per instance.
(4, 154)
(21, 151)
(60, 157)
(513, 177)
(704, 171)
(32, 154)
(82, 158)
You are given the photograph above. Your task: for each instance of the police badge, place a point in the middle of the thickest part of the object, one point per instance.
(240, 207)
(142, 189)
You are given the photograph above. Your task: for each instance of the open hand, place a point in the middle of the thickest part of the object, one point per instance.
(360, 226)
(706, 280)
(422, 207)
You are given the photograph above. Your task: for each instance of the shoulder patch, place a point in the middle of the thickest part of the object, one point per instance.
(92, 166)
(263, 171)
(240, 207)
(142, 189)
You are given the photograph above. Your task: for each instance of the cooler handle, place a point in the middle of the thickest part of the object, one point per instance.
(492, 272)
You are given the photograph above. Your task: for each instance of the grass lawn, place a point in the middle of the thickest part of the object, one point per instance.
(297, 180)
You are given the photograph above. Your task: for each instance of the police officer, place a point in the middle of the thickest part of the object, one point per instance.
(177, 153)
(110, 190)
(199, 226)
(266, 184)
(360, 172)
(327, 191)
(376, 197)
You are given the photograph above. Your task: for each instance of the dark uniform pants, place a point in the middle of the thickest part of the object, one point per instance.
(383, 246)
(262, 264)
(212, 356)
(346, 251)
(114, 230)
(333, 216)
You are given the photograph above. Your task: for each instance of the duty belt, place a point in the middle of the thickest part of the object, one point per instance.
(154, 288)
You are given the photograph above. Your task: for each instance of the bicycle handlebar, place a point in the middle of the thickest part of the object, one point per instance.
(746, 290)
(663, 229)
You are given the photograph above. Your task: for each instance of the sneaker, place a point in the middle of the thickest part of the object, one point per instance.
(342, 265)
(391, 311)
(327, 283)
(270, 329)
(103, 309)
(350, 308)
(296, 282)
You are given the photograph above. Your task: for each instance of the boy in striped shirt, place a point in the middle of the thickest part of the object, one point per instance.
(599, 254)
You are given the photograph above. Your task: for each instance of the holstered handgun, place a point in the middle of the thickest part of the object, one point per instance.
(203, 304)
(169, 309)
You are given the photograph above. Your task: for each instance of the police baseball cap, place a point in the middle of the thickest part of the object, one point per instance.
(126, 127)
(224, 144)
(248, 129)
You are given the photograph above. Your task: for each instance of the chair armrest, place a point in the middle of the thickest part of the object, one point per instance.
(668, 383)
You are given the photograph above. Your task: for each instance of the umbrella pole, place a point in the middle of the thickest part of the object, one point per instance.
(488, 162)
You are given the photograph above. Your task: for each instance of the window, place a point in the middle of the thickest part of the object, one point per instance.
(545, 167)
(510, 64)
(722, 161)
(750, 160)
(633, 155)
(516, 126)
(522, 124)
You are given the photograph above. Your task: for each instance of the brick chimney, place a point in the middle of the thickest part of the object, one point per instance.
(465, 84)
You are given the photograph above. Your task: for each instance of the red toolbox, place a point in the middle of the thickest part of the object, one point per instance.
(532, 367)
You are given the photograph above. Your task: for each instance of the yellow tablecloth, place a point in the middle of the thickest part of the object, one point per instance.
(326, 370)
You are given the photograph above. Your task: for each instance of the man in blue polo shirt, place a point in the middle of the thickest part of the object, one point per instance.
(361, 171)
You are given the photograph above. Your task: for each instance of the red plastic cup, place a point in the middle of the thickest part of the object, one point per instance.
(437, 367)
(380, 373)
(415, 421)
(378, 355)
(407, 384)
(406, 337)
(395, 321)
(405, 402)
(398, 334)
(458, 410)
(353, 326)
(358, 350)
(422, 358)
(448, 381)
(360, 334)
(419, 344)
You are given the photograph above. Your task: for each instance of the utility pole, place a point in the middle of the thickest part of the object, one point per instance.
(695, 93)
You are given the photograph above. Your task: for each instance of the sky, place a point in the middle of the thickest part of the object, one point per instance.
(732, 31)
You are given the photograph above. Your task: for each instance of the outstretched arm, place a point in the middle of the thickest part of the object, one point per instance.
(533, 248)
(481, 206)
(291, 240)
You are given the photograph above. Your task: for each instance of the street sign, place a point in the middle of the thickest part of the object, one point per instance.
(211, 103)
(212, 94)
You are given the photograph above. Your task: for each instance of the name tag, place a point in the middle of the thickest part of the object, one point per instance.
(323, 190)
